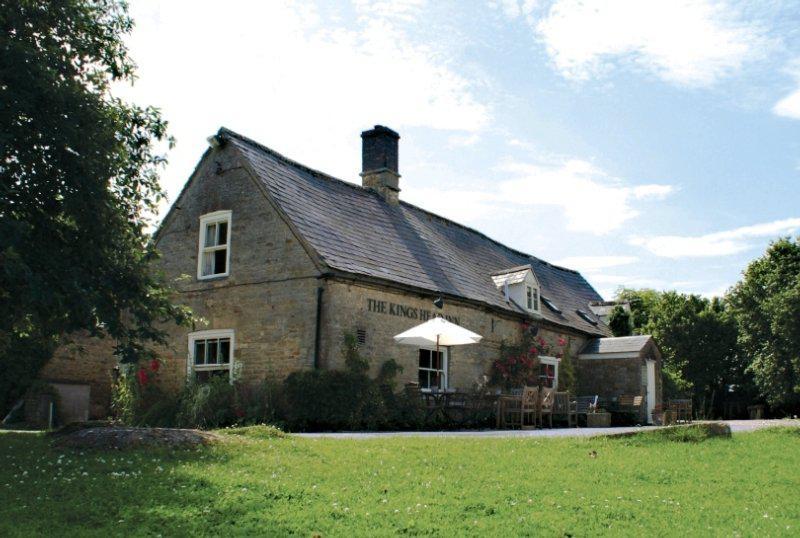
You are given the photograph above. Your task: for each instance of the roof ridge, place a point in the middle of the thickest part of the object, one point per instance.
(328, 177)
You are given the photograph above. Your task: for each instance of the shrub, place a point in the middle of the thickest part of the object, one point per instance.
(207, 405)
(257, 431)
(333, 399)
(690, 433)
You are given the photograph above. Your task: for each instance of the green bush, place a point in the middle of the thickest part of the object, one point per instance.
(690, 433)
(207, 405)
(333, 400)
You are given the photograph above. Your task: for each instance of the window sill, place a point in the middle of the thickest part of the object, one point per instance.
(212, 277)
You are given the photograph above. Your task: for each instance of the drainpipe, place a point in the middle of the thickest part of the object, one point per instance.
(318, 328)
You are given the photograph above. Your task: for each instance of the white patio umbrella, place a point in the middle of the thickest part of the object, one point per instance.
(438, 332)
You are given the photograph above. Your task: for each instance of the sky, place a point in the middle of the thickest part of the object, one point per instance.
(645, 144)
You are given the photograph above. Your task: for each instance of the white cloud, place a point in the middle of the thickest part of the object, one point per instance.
(593, 264)
(715, 244)
(789, 106)
(294, 76)
(591, 200)
(686, 42)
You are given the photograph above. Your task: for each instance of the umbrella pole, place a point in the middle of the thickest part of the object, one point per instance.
(438, 380)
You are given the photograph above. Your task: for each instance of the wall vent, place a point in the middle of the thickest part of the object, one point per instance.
(361, 336)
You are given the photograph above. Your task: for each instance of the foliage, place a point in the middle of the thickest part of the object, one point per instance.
(453, 486)
(79, 174)
(257, 431)
(642, 302)
(332, 400)
(567, 375)
(698, 341)
(766, 306)
(620, 321)
(518, 363)
(688, 433)
(208, 404)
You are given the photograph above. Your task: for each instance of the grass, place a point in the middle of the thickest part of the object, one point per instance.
(259, 483)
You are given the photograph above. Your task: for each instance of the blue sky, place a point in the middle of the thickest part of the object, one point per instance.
(647, 144)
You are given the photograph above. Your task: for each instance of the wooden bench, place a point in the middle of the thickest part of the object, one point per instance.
(631, 405)
(585, 405)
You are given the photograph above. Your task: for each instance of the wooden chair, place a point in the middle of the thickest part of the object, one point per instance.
(565, 407)
(546, 406)
(682, 409)
(529, 407)
(510, 412)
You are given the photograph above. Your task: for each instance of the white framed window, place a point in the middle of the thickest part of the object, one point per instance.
(548, 371)
(532, 297)
(432, 369)
(211, 354)
(214, 254)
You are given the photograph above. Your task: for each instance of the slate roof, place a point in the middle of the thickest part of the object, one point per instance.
(512, 277)
(621, 344)
(354, 230)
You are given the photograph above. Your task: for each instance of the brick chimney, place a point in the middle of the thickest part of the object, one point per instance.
(379, 162)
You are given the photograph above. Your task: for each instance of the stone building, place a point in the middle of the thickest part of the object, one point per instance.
(282, 261)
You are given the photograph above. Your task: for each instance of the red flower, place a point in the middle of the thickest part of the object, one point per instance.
(141, 375)
(155, 365)
(562, 341)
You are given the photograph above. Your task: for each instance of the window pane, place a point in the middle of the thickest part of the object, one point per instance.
(436, 360)
(208, 263)
(424, 358)
(222, 230)
(211, 351)
(220, 257)
(423, 379)
(225, 350)
(211, 235)
(536, 299)
(199, 352)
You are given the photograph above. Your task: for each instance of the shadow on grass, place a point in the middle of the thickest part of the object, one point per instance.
(153, 491)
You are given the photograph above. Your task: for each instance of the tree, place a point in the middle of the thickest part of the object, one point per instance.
(766, 305)
(642, 302)
(78, 176)
(620, 321)
(698, 342)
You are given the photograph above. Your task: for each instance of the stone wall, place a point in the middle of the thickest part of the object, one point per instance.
(610, 378)
(382, 313)
(269, 298)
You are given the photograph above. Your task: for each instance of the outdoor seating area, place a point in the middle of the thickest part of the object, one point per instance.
(539, 407)
(534, 407)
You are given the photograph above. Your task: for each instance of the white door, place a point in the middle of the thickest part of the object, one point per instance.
(651, 389)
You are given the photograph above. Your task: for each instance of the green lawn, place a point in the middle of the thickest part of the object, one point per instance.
(747, 485)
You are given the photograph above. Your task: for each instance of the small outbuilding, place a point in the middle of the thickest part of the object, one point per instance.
(622, 366)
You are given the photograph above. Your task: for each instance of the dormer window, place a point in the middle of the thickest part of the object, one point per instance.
(214, 254)
(519, 287)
